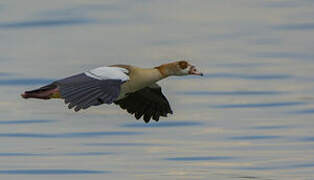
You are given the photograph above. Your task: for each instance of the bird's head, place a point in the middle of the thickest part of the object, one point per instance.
(179, 68)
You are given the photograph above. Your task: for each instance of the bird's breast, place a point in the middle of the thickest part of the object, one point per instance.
(130, 87)
(139, 80)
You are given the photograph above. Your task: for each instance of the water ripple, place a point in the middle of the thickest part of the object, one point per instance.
(26, 121)
(231, 93)
(79, 10)
(243, 76)
(44, 23)
(287, 55)
(54, 154)
(4, 74)
(310, 139)
(245, 177)
(305, 165)
(291, 166)
(69, 135)
(51, 171)
(118, 144)
(270, 127)
(243, 65)
(254, 137)
(295, 26)
(20, 154)
(267, 41)
(281, 4)
(84, 154)
(257, 105)
(163, 124)
(23, 82)
(200, 158)
(306, 111)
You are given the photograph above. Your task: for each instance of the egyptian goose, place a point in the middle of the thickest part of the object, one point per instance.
(132, 88)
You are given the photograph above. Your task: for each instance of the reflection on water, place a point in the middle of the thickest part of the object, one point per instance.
(249, 117)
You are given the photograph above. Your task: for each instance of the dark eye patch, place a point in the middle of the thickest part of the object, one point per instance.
(183, 64)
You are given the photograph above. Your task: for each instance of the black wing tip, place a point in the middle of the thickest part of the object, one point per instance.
(154, 117)
(148, 103)
(77, 108)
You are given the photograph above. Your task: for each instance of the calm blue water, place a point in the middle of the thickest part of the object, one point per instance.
(250, 117)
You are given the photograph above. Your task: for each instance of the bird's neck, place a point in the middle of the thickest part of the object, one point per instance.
(143, 77)
(166, 70)
(150, 75)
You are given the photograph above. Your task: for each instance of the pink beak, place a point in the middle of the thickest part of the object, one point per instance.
(194, 71)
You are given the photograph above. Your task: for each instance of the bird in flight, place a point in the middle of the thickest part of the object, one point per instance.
(132, 88)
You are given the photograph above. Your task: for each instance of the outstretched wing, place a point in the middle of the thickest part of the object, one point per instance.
(92, 88)
(148, 102)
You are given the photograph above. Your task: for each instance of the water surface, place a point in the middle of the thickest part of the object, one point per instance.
(250, 117)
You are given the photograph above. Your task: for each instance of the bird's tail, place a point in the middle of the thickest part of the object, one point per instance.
(46, 92)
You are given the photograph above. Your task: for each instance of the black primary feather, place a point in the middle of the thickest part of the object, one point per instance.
(148, 102)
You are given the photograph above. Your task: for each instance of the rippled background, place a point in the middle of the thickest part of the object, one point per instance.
(250, 117)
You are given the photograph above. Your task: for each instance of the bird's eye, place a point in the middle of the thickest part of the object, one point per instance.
(183, 64)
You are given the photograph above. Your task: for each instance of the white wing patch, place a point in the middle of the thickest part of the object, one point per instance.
(104, 73)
